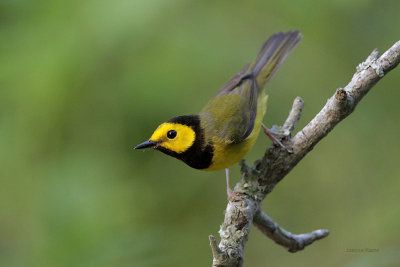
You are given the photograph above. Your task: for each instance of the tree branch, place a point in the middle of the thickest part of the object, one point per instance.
(294, 115)
(245, 207)
(291, 242)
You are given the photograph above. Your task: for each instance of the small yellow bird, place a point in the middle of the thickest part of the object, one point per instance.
(228, 126)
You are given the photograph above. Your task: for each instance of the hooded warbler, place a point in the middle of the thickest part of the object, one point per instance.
(224, 131)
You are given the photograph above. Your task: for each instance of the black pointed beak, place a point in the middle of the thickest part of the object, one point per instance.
(147, 144)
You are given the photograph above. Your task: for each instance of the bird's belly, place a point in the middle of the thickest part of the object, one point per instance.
(226, 155)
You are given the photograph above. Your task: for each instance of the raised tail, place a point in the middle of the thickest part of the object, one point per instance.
(272, 54)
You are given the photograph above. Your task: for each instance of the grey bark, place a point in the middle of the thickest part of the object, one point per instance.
(245, 207)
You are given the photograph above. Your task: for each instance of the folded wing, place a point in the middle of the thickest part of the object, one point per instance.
(231, 113)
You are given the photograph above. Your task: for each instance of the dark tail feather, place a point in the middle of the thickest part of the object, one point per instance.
(272, 54)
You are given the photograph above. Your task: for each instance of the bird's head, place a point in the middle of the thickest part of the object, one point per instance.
(174, 136)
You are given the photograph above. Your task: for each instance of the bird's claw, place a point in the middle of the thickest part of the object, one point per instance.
(272, 135)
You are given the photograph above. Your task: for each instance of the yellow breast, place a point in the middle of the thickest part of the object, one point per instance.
(226, 155)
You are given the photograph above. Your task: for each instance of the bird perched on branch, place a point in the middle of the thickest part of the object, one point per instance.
(227, 127)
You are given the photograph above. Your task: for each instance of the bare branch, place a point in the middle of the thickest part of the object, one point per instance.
(218, 255)
(294, 115)
(258, 181)
(291, 242)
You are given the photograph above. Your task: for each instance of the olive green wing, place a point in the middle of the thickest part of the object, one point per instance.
(231, 113)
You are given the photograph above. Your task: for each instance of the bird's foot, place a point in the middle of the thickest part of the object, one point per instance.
(231, 194)
(272, 135)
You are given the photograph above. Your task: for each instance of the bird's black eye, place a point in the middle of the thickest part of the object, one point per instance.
(171, 134)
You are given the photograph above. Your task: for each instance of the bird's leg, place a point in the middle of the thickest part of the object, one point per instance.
(229, 191)
(272, 135)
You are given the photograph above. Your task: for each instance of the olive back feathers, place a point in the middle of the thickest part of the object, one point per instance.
(230, 115)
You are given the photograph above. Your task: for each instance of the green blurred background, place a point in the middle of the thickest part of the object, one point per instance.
(82, 82)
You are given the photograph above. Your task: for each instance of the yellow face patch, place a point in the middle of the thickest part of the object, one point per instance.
(179, 142)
